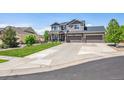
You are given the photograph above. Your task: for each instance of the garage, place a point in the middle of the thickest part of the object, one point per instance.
(94, 39)
(74, 39)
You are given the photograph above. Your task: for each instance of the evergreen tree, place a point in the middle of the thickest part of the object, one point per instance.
(9, 37)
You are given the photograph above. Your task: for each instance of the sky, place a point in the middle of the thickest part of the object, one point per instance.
(42, 21)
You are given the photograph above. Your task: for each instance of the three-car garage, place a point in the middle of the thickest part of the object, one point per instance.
(86, 38)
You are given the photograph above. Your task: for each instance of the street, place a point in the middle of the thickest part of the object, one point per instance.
(105, 69)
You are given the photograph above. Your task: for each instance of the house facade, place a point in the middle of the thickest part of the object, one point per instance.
(76, 31)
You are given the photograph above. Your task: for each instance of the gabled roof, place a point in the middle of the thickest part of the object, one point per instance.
(64, 23)
(74, 20)
(55, 24)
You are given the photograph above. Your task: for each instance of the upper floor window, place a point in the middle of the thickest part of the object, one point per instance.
(77, 26)
(55, 28)
(63, 27)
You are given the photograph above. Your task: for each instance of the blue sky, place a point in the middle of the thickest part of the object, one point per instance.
(42, 21)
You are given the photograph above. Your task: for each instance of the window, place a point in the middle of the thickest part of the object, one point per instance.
(77, 26)
(62, 27)
(55, 28)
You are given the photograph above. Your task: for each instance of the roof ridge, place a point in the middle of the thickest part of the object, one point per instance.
(95, 26)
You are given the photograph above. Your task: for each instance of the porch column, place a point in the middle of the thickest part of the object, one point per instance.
(82, 38)
(51, 38)
(103, 37)
(65, 37)
(58, 37)
(85, 38)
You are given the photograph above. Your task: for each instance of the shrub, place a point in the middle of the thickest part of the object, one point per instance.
(30, 40)
(4, 46)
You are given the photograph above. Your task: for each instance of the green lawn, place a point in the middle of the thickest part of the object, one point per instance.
(28, 50)
(2, 60)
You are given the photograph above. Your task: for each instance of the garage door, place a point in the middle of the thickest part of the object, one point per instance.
(94, 38)
(74, 38)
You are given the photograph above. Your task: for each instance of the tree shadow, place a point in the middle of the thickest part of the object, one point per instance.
(118, 46)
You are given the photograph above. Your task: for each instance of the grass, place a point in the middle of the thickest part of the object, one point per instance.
(28, 50)
(3, 60)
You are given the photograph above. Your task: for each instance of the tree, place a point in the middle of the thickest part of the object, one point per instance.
(113, 33)
(122, 33)
(9, 37)
(46, 36)
(30, 40)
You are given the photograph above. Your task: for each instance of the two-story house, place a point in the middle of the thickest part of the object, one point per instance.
(76, 31)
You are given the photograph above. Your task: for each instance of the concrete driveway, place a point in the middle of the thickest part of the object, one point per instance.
(96, 48)
(68, 52)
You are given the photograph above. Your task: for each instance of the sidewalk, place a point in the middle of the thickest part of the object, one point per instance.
(51, 59)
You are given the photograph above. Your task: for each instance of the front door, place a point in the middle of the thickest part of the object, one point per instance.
(62, 37)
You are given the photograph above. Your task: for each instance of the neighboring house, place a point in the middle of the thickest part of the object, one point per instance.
(22, 32)
(76, 31)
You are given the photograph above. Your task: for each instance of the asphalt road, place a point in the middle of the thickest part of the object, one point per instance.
(106, 69)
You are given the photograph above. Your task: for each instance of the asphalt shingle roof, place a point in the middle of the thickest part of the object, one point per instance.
(86, 28)
(64, 23)
(55, 24)
(95, 28)
(22, 30)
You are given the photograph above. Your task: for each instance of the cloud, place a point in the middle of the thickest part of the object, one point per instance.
(89, 25)
(16, 25)
(38, 31)
(41, 31)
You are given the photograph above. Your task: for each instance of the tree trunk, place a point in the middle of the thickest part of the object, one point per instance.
(116, 45)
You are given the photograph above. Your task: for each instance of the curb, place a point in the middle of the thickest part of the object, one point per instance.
(25, 71)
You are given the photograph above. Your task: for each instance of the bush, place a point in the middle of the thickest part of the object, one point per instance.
(30, 40)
